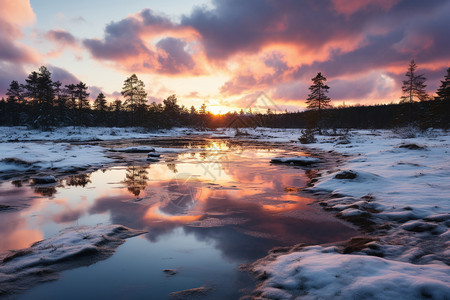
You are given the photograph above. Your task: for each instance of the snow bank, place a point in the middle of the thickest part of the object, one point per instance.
(323, 273)
(26, 156)
(22, 133)
(397, 178)
(297, 160)
(73, 247)
(398, 190)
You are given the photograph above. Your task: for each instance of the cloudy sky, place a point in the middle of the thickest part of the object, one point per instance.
(226, 52)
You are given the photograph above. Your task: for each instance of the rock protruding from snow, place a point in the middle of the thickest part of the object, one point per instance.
(346, 175)
(412, 147)
(73, 247)
(323, 273)
(296, 160)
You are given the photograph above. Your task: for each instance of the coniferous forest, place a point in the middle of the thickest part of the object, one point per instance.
(44, 103)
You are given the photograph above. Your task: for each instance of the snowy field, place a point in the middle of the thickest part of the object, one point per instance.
(394, 184)
(23, 149)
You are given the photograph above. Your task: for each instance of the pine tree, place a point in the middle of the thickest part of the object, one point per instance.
(444, 90)
(170, 105)
(71, 93)
(414, 86)
(14, 93)
(82, 95)
(46, 93)
(318, 99)
(31, 87)
(133, 91)
(100, 102)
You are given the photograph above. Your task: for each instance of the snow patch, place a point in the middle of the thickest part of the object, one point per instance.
(73, 247)
(297, 160)
(323, 273)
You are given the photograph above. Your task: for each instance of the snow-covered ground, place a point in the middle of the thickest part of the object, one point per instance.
(68, 134)
(23, 149)
(394, 184)
(26, 156)
(73, 247)
(323, 273)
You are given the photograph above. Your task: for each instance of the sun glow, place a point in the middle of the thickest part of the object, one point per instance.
(219, 109)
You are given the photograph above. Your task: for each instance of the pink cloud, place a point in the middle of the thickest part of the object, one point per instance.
(349, 7)
(13, 15)
(16, 12)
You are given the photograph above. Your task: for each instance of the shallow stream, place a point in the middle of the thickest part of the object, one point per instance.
(207, 207)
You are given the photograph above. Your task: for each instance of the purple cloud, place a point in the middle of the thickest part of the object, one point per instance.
(61, 37)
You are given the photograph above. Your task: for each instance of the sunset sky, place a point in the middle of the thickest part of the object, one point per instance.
(226, 52)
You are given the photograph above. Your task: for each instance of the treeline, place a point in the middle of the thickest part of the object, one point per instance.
(43, 103)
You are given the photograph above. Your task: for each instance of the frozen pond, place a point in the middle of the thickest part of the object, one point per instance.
(207, 207)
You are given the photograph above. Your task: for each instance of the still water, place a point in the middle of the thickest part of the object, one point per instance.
(207, 208)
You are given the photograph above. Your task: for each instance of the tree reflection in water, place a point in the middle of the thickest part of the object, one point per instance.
(46, 191)
(78, 180)
(136, 179)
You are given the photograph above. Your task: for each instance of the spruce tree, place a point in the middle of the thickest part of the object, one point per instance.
(317, 99)
(100, 103)
(414, 86)
(31, 87)
(444, 90)
(46, 92)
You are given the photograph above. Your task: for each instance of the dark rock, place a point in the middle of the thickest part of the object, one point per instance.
(346, 175)
(170, 272)
(412, 147)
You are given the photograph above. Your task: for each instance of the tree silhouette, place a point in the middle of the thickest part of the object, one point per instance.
(100, 103)
(82, 95)
(15, 93)
(133, 91)
(444, 90)
(414, 86)
(171, 110)
(317, 100)
(31, 86)
(15, 97)
(39, 87)
(72, 95)
(46, 92)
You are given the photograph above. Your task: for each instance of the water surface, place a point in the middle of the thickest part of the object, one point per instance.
(207, 209)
